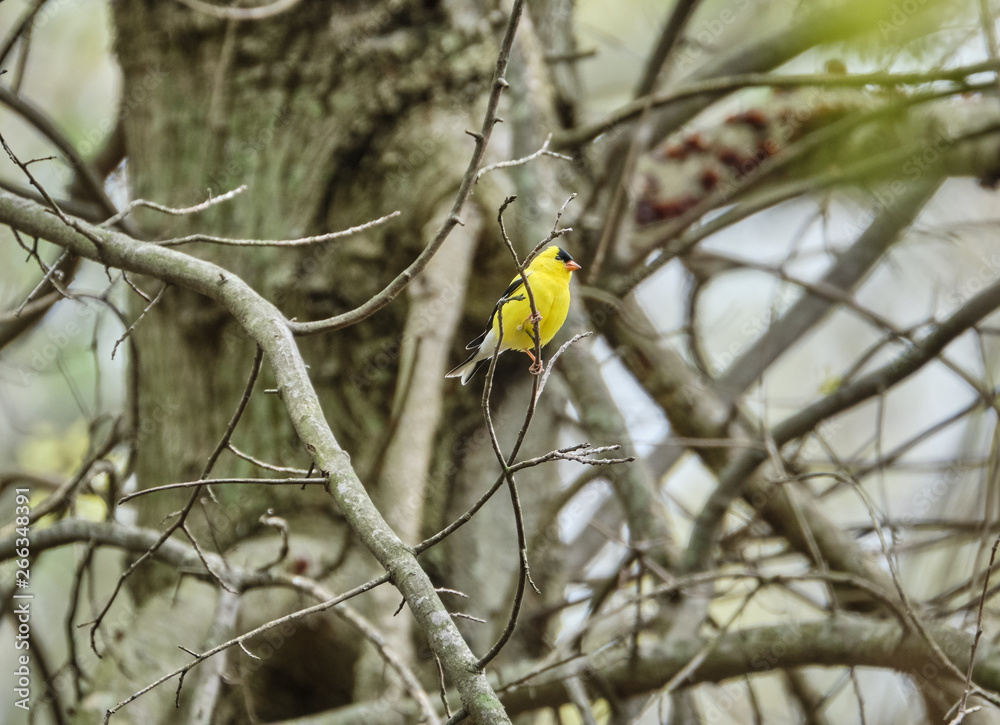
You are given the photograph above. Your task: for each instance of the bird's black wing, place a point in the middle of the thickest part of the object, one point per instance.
(514, 287)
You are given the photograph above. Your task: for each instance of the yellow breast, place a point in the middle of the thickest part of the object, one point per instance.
(552, 301)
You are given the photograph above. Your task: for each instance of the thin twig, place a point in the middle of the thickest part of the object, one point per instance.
(543, 151)
(463, 615)
(856, 684)
(691, 667)
(204, 560)
(173, 211)
(22, 24)
(558, 353)
(51, 277)
(912, 617)
(963, 707)
(68, 221)
(263, 464)
(300, 242)
(446, 590)
(231, 13)
(45, 125)
(138, 319)
(269, 519)
(135, 288)
(82, 567)
(220, 481)
(441, 687)
(553, 234)
(523, 575)
(237, 414)
(576, 453)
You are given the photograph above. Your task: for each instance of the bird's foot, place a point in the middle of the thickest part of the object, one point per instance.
(536, 367)
(536, 317)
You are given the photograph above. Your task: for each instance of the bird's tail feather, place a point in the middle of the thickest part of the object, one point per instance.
(485, 345)
(468, 368)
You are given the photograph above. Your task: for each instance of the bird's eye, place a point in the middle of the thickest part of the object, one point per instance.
(563, 256)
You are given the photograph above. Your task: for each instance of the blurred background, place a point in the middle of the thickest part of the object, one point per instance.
(924, 451)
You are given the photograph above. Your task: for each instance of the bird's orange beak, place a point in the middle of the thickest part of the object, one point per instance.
(571, 265)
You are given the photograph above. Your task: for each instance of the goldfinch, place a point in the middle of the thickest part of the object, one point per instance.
(549, 275)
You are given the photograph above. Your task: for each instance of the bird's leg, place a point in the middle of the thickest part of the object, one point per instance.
(536, 365)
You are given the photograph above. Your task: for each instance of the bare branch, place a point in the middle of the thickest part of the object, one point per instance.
(263, 464)
(300, 242)
(209, 688)
(677, 18)
(543, 151)
(269, 519)
(242, 639)
(963, 706)
(138, 319)
(733, 479)
(230, 13)
(22, 26)
(222, 481)
(48, 128)
(723, 84)
(173, 211)
(844, 640)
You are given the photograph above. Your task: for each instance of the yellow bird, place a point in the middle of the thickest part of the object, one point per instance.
(549, 275)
